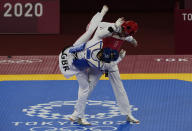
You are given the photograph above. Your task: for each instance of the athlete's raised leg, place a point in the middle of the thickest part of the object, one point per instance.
(92, 26)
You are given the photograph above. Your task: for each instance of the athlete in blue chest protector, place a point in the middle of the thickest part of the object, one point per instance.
(88, 60)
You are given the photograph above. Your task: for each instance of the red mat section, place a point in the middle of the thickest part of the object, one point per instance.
(130, 64)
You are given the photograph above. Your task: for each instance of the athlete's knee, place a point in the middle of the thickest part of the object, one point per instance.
(92, 83)
(84, 85)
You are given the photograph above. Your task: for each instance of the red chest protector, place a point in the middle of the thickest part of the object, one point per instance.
(113, 43)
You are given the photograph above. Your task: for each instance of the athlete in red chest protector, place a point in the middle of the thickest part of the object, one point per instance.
(129, 28)
(113, 36)
(112, 43)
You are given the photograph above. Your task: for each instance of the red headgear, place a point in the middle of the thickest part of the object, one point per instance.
(130, 27)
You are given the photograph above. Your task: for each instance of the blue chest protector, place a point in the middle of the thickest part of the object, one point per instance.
(89, 60)
(80, 64)
(77, 48)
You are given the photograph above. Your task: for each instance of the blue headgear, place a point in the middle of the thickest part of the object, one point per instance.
(109, 55)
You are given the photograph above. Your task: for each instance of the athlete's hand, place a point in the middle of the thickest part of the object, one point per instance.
(134, 42)
(119, 22)
(122, 53)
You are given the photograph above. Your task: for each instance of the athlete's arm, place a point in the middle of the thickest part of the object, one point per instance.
(106, 29)
(129, 39)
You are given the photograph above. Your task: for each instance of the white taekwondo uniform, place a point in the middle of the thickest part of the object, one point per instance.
(88, 77)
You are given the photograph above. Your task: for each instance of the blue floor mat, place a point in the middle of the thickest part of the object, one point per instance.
(160, 105)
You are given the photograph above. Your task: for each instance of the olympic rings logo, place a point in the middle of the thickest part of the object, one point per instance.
(45, 110)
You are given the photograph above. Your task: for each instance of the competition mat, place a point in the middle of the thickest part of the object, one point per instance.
(34, 95)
